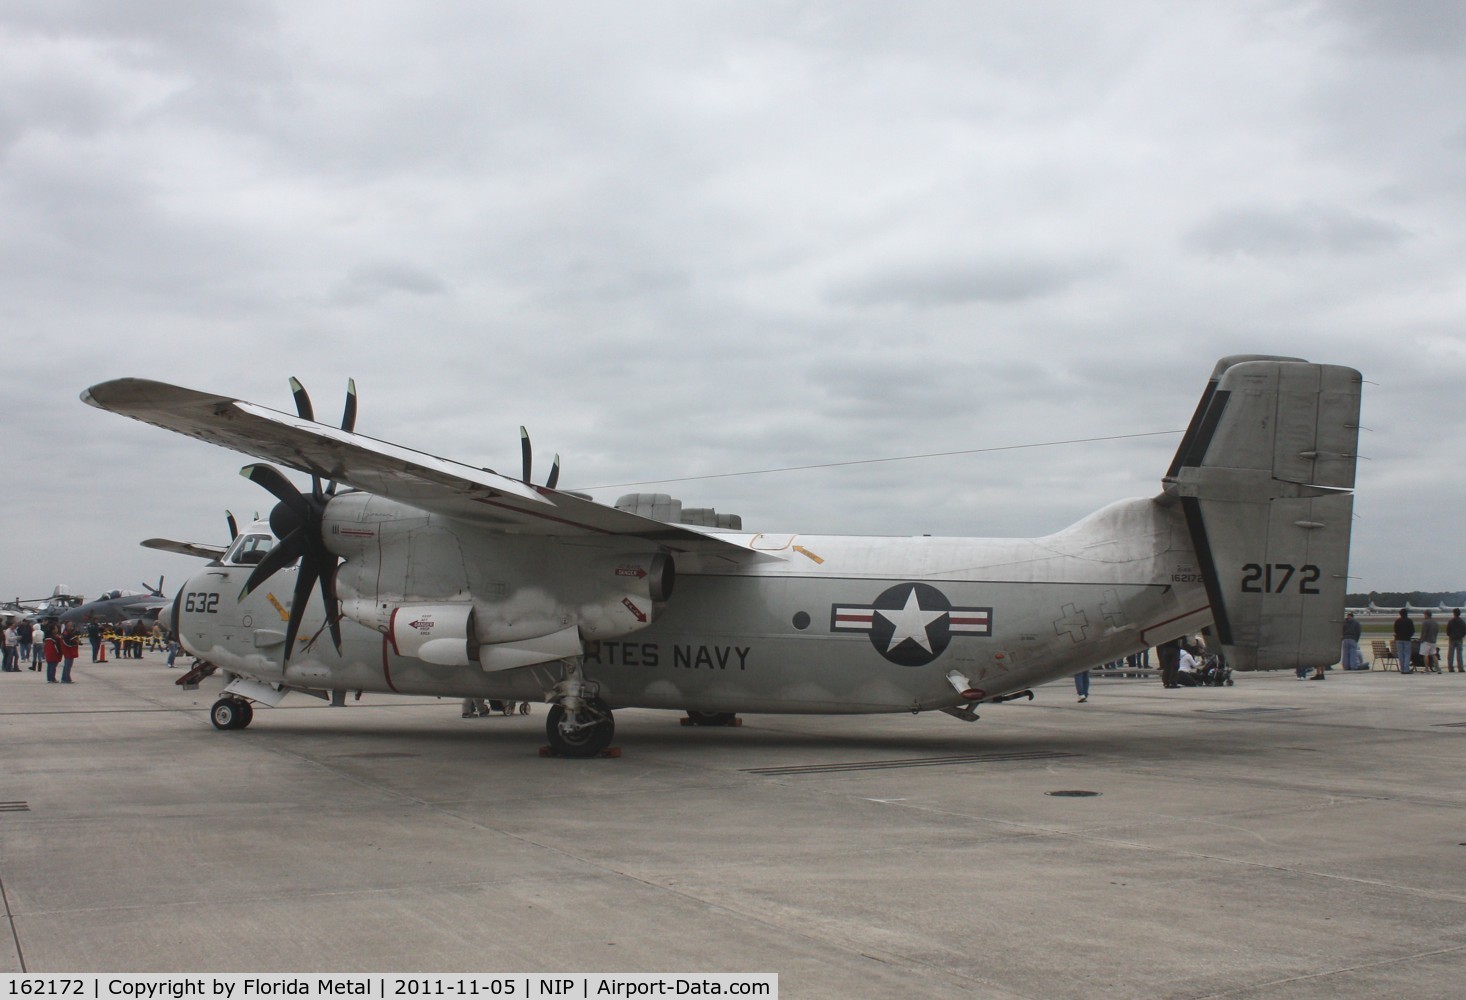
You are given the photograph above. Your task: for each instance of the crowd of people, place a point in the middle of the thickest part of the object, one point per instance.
(53, 647)
(1422, 651)
(1186, 662)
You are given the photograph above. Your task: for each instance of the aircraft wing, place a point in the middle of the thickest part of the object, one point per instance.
(211, 552)
(411, 477)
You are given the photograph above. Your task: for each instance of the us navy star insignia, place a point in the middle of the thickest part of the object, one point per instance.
(911, 624)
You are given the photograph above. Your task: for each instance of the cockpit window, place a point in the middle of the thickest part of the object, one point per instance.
(248, 550)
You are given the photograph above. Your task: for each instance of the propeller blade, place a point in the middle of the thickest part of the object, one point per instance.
(285, 552)
(348, 418)
(554, 474)
(348, 423)
(302, 400)
(307, 412)
(333, 607)
(305, 579)
(233, 525)
(283, 489)
(526, 454)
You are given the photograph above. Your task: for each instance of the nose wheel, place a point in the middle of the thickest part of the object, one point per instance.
(586, 732)
(231, 713)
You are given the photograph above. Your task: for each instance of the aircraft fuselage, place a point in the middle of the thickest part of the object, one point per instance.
(821, 623)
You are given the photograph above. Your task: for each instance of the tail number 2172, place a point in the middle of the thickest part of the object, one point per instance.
(1277, 578)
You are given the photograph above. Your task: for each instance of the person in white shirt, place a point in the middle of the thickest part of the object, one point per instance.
(1188, 671)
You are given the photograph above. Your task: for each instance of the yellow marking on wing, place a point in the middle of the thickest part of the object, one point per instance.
(808, 554)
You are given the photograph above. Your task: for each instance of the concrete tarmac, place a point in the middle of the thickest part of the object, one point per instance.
(1276, 839)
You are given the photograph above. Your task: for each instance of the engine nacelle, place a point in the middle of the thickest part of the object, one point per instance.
(662, 578)
(434, 633)
(450, 593)
(627, 590)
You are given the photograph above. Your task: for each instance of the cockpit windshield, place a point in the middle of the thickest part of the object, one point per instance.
(248, 550)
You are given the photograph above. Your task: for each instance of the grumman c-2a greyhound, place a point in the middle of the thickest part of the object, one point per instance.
(438, 578)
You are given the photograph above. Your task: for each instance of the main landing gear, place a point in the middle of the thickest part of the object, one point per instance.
(580, 723)
(230, 712)
(584, 732)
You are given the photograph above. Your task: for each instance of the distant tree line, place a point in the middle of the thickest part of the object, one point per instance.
(1398, 599)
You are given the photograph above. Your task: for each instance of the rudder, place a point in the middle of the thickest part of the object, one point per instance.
(1265, 475)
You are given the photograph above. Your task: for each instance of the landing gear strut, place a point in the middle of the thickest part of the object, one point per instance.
(579, 723)
(231, 713)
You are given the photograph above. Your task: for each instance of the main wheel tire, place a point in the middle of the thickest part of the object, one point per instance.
(246, 714)
(711, 718)
(590, 737)
(230, 713)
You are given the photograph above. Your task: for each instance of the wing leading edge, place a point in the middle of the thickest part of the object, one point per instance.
(410, 477)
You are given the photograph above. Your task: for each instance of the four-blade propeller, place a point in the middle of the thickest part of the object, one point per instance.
(296, 522)
(297, 518)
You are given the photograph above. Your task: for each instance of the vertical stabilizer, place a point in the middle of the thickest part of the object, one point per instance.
(1265, 475)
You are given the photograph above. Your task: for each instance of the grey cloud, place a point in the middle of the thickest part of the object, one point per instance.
(1430, 26)
(950, 283)
(1305, 230)
(369, 282)
(692, 239)
(888, 389)
(208, 34)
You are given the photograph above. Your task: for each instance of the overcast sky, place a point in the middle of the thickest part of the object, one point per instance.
(683, 239)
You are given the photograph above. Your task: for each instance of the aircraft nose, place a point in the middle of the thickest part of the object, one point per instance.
(165, 618)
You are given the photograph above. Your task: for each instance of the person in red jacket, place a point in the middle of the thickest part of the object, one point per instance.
(52, 652)
(70, 642)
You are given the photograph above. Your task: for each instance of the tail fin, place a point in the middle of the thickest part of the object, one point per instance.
(1265, 475)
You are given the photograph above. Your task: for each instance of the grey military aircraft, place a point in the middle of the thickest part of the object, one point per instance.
(60, 601)
(120, 606)
(443, 579)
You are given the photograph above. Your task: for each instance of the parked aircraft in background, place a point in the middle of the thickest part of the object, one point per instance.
(60, 601)
(444, 579)
(1372, 610)
(119, 606)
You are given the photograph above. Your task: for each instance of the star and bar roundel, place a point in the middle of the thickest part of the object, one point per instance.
(911, 624)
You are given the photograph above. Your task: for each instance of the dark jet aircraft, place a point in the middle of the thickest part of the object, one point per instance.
(119, 606)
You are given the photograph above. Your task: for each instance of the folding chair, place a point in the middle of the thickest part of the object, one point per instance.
(1384, 654)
